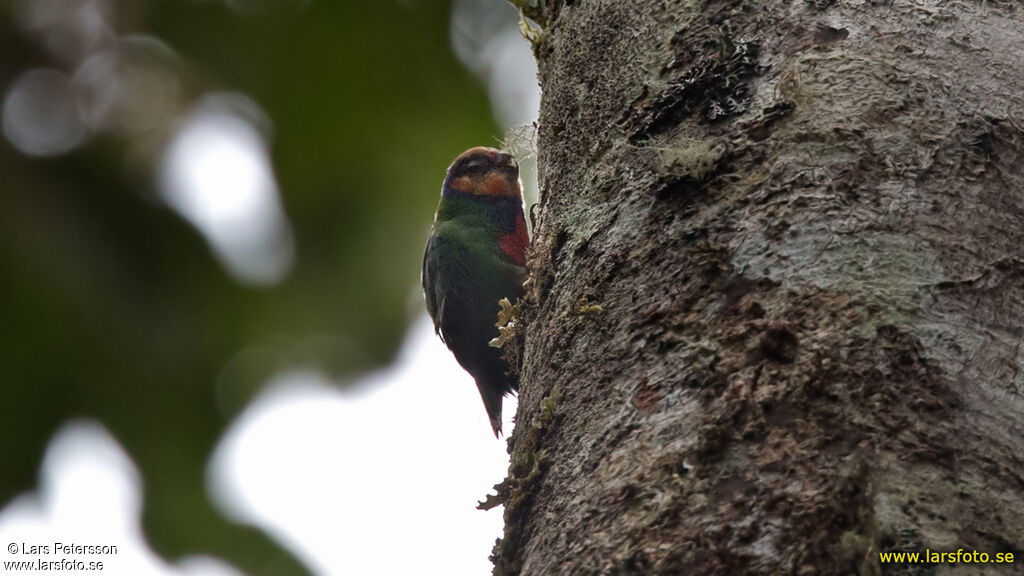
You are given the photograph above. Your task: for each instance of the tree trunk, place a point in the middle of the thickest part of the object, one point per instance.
(777, 293)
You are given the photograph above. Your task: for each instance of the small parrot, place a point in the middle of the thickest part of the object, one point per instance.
(475, 256)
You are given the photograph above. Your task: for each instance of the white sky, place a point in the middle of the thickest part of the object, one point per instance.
(217, 174)
(380, 480)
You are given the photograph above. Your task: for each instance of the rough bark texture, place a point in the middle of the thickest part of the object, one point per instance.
(777, 290)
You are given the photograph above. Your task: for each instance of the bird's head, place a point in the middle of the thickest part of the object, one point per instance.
(484, 171)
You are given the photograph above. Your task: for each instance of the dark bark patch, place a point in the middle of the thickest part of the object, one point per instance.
(716, 87)
(780, 344)
(712, 441)
(650, 314)
(820, 4)
(981, 147)
(682, 189)
(647, 396)
(687, 176)
(727, 489)
(761, 128)
(781, 413)
(825, 35)
(841, 443)
(737, 288)
(560, 239)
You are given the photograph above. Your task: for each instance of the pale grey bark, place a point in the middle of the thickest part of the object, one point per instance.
(777, 291)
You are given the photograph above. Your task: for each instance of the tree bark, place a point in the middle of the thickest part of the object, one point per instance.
(777, 290)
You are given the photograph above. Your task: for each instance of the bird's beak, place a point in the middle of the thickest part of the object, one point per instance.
(506, 163)
(503, 158)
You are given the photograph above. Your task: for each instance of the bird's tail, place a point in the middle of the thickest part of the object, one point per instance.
(492, 396)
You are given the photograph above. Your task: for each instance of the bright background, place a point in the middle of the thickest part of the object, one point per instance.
(164, 393)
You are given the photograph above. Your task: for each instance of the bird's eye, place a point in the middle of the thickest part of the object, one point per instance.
(473, 166)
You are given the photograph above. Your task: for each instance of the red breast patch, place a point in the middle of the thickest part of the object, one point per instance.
(514, 244)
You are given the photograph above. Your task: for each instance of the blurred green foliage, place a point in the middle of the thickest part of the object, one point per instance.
(114, 307)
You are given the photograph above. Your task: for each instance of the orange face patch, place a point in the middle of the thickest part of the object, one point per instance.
(462, 184)
(495, 184)
(489, 184)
